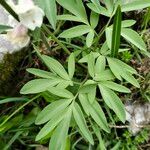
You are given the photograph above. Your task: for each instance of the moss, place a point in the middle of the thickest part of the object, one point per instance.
(8, 71)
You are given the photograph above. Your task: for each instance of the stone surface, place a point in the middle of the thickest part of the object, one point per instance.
(138, 116)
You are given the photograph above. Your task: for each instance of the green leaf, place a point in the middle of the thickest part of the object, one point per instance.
(135, 5)
(123, 49)
(71, 65)
(100, 64)
(127, 23)
(113, 102)
(84, 103)
(116, 33)
(96, 3)
(75, 31)
(68, 18)
(92, 94)
(60, 92)
(109, 4)
(52, 110)
(133, 37)
(50, 125)
(128, 77)
(115, 68)
(125, 66)
(101, 120)
(91, 63)
(38, 85)
(117, 146)
(59, 137)
(104, 48)
(68, 143)
(123, 70)
(98, 134)
(55, 66)
(88, 86)
(4, 28)
(41, 73)
(80, 120)
(94, 7)
(104, 76)
(114, 86)
(95, 111)
(39, 3)
(89, 38)
(13, 99)
(89, 82)
(108, 32)
(98, 8)
(94, 18)
(86, 57)
(146, 53)
(76, 8)
(51, 11)
(64, 84)
(121, 65)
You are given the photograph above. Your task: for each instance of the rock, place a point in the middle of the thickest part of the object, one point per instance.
(138, 116)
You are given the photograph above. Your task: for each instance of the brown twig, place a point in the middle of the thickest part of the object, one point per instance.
(119, 127)
(127, 126)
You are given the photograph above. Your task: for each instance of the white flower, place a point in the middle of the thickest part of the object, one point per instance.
(19, 37)
(32, 18)
(16, 38)
(29, 14)
(3, 16)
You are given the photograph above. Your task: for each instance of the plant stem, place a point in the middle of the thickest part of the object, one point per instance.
(77, 83)
(70, 44)
(56, 39)
(59, 43)
(45, 41)
(21, 107)
(58, 27)
(101, 32)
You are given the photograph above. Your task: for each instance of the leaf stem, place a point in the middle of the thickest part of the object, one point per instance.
(56, 39)
(101, 32)
(45, 41)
